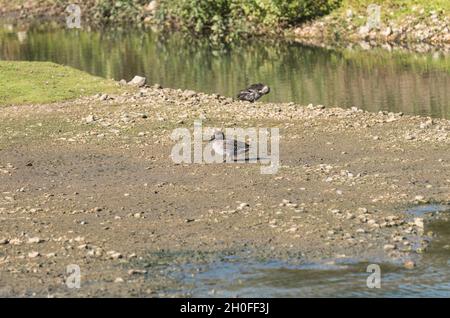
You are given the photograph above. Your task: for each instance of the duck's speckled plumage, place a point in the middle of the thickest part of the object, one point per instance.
(253, 92)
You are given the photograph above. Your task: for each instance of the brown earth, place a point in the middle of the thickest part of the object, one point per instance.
(102, 192)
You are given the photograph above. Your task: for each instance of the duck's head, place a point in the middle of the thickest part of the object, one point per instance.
(265, 90)
(218, 135)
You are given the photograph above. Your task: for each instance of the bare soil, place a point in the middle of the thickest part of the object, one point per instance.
(102, 192)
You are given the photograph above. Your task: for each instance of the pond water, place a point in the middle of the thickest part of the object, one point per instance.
(372, 80)
(339, 278)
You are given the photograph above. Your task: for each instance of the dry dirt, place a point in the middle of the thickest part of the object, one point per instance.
(102, 192)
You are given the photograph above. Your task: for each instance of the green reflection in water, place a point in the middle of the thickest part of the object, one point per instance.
(372, 80)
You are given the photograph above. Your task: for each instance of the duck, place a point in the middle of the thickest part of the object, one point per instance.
(253, 92)
(230, 148)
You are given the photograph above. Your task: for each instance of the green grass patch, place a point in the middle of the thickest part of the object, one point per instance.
(44, 82)
(394, 10)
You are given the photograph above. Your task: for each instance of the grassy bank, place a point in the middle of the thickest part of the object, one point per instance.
(42, 82)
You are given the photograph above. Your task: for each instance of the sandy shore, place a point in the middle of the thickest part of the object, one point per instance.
(91, 183)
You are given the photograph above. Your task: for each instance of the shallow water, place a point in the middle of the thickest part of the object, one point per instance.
(371, 80)
(234, 277)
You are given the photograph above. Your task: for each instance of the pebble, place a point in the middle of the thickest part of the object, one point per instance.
(137, 271)
(4, 241)
(419, 222)
(138, 81)
(34, 240)
(114, 255)
(33, 254)
(104, 97)
(242, 206)
(389, 247)
(90, 119)
(409, 264)
(119, 280)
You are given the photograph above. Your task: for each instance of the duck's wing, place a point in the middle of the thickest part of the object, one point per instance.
(248, 95)
(256, 87)
(236, 147)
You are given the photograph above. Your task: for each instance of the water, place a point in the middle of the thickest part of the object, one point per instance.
(235, 277)
(372, 80)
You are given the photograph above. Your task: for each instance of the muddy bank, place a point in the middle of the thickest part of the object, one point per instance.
(91, 182)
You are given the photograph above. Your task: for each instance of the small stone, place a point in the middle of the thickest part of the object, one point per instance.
(136, 272)
(33, 254)
(189, 94)
(4, 241)
(389, 247)
(119, 280)
(34, 240)
(419, 222)
(90, 119)
(242, 206)
(409, 264)
(138, 81)
(95, 252)
(114, 255)
(104, 97)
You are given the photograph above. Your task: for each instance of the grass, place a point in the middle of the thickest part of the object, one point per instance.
(394, 10)
(44, 82)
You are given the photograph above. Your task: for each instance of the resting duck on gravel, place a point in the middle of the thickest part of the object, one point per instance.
(254, 92)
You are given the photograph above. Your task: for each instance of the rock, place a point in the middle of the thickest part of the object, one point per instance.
(4, 241)
(138, 81)
(419, 222)
(33, 254)
(242, 206)
(364, 31)
(34, 240)
(420, 199)
(119, 280)
(96, 252)
(136, 272)
(387, 32)
(389, 247)
(349, 13)
(189, 94)
(90, 119)
(104, 97)
(409, 264)
(122, 82)
(114, 255)
(152, 6)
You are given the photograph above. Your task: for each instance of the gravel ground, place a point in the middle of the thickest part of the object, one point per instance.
(91, 182)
